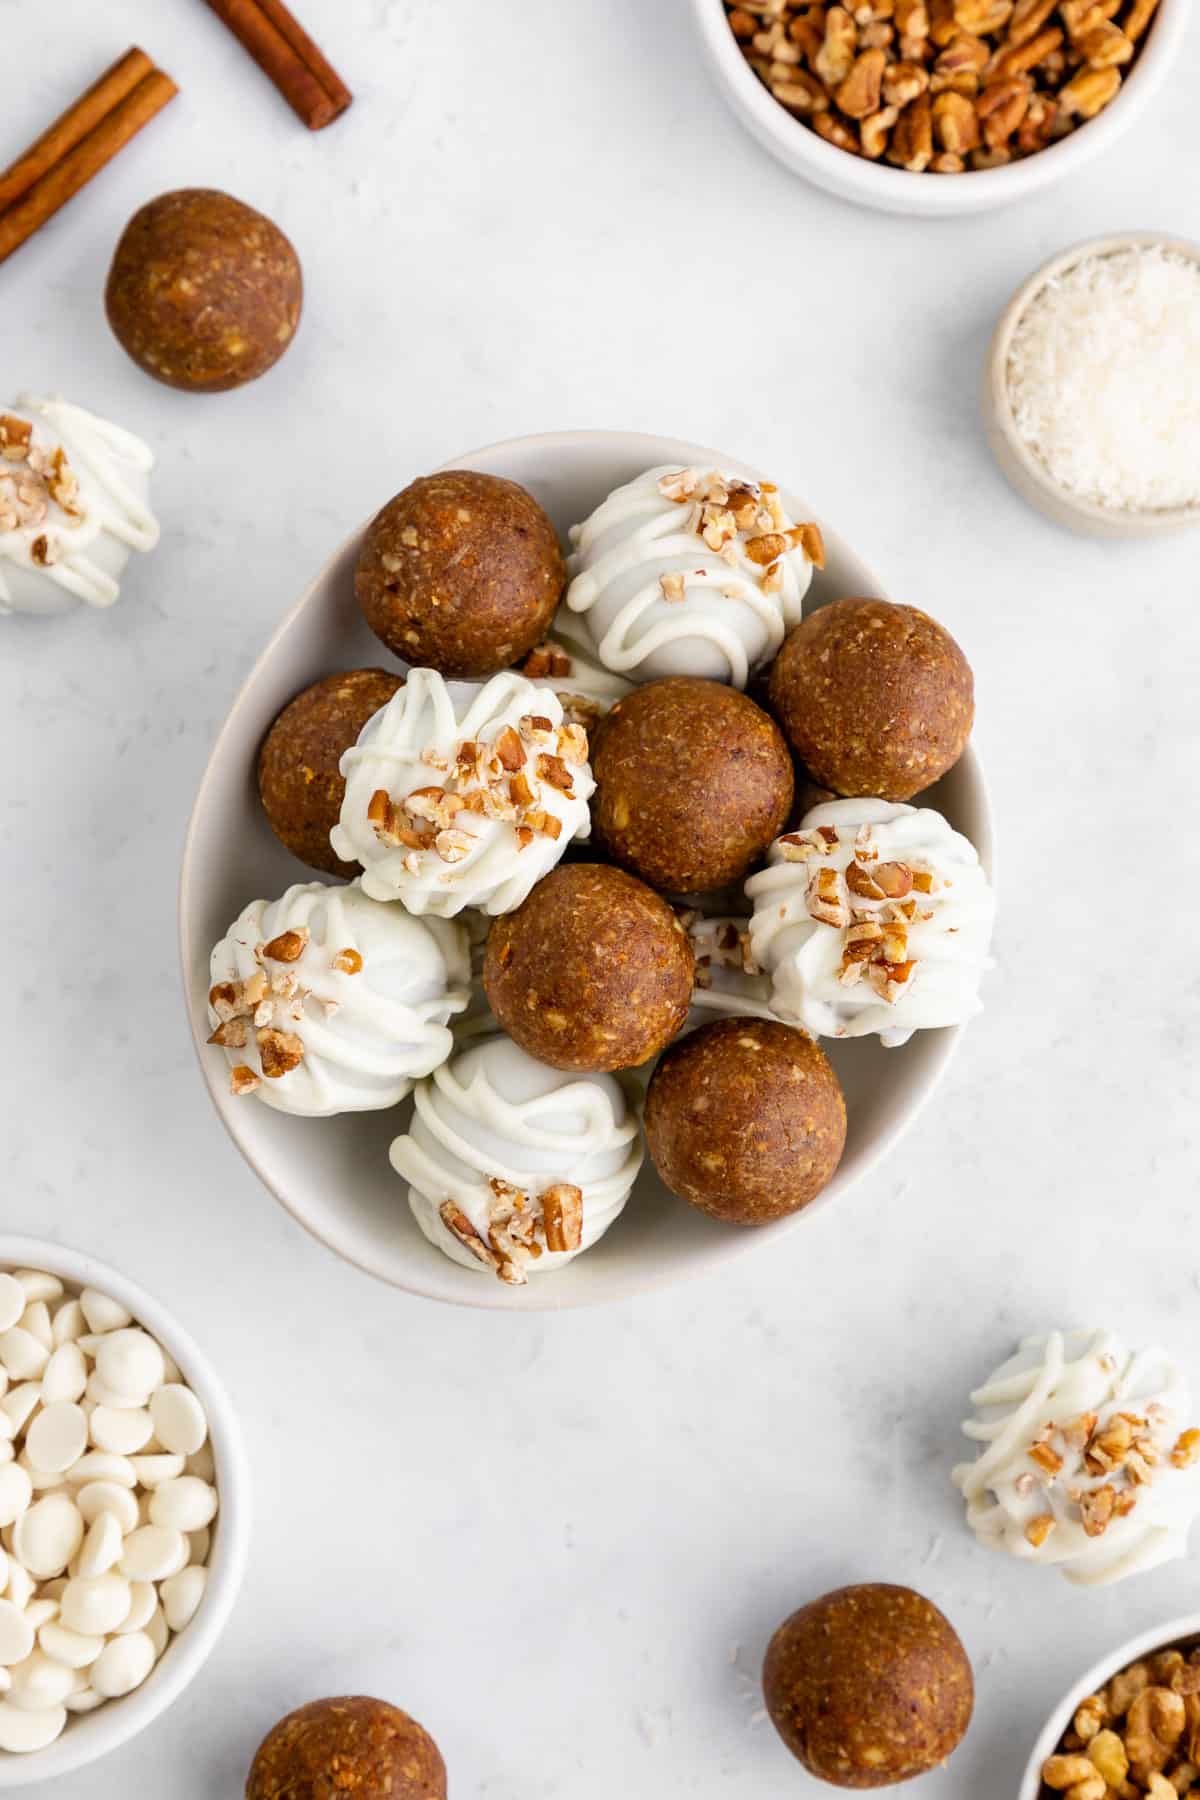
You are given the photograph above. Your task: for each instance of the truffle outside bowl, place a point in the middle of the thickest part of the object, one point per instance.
(1026, 472)
(1162, 1637)
(878, 184)
(333, 1175)
(90, 1736)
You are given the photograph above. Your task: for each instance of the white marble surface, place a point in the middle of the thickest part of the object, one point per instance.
(546, 1536)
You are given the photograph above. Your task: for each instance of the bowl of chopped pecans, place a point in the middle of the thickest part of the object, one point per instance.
(1007, 95)
(1130, 1725)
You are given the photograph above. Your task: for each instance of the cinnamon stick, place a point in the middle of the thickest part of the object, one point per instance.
(286, 54)
(78, 145)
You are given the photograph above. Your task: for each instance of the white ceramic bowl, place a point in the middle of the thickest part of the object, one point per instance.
(333, 1175)
(92, 1735)
(1163, 1637)
(934, 196)
(1026, 473)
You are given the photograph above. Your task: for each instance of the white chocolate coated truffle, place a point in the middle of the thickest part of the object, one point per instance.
(507, 1159)
(346, 1000)
(690, 572)
(873, 918)
(72, 506)
(1088, 1457)
(461, 794)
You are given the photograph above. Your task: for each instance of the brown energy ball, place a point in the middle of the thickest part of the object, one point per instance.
(593, 971)
(461, 573)
(875, 699)
(868, 1686)
(693, 781)
(204, 292)
(745, 1119)
(298, 777)
(330, 1749)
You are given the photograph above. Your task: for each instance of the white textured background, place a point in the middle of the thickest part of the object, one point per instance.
(546, 1536)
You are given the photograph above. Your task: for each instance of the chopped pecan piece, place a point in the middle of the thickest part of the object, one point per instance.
(279, 1051)
(562, 1210)
(457, 1223)
(348, 962)
(242, 1080)
(288, 947)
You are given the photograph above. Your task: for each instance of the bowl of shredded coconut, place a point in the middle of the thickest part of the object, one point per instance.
(1091, 393)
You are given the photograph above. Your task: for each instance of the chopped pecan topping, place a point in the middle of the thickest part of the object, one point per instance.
(243, 1080)
(288, 947)
(279, 1051)
(562, 1208)
(348, 961)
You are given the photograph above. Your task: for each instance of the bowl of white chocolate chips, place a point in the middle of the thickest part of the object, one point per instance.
(123, 1510)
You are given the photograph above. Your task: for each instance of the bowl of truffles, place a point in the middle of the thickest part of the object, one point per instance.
(939, 107)
(590, 879)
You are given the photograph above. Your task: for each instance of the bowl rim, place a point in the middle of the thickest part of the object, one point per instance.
(888, 187)
(1170, 518)
(89, 1738)
(1159, 1637)
(483, 1295)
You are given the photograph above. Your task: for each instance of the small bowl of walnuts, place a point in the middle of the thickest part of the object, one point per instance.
(985, 101)
(1129, 1726)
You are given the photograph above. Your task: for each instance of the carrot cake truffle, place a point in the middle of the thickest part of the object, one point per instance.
(745, 1119)
(593, 971)
(872, 919)
(72, 506)
(874, 698)
(353, 1746)
(327, 1002)
(463, 795)
(869, 1686)
(1089, 1457)
(693, 781)
(514, 1168)
(461, 572)
(204, 293)
(691, 572)
(299, 778)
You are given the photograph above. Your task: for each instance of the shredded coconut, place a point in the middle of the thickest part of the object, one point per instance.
(1104, 379)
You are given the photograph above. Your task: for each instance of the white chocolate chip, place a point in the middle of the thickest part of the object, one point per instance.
(108, 1497)
(13, 1301)
(123, 1665)
(39, 1284)
(184, 1505)
(65, 1375)
(179, 1421)
(121, 1433)
(102, 1546)
(143, 1600)
(39, 1684)
(57, 1437)
(16, 1634)
(97, 1605)
(46, 1537)
(16, 1492)
(22, 1732)
(151, 1471)
(102, 1312)
(181, 1595)
(70, 1648)
(22, 1354)
(153, 1553)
